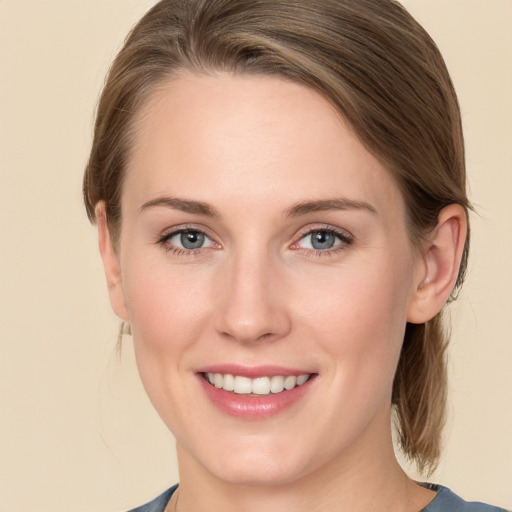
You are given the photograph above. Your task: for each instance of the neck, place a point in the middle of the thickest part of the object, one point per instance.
(365, 478)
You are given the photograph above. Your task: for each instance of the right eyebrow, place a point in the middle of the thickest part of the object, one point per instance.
(338, 203)
(184, 205)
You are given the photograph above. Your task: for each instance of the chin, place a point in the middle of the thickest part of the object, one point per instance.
(265, 474)
(258, 463)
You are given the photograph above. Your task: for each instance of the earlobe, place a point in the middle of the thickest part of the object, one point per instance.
(110, 264)
(439, 265)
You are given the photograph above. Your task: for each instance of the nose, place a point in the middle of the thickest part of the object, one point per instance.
(252, 300)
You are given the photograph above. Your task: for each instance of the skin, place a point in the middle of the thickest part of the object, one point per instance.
(257, 292)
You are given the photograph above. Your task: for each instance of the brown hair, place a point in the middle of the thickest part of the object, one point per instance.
(380, 70)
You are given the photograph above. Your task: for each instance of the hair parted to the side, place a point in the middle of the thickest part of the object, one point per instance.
(380, 70)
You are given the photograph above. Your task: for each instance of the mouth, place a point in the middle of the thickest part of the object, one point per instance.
(259, 386)
(255, 392)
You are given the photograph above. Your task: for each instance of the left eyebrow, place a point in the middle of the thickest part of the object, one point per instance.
(341, 203)
(184, 205)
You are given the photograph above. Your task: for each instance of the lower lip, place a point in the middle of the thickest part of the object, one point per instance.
(254, 406)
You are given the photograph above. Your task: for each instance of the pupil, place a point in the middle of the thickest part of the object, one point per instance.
(192, 239)
(322, 240)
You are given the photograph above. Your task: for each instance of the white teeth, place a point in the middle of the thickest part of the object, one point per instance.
(290, 382)
(276, 384)
(229, 382)
(243, 385)
(259, 386)
(218, 380)
(301, 379)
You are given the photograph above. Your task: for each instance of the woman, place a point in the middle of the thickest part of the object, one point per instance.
(279, 188)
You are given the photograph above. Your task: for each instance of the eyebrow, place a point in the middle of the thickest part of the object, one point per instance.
(184, 205)
(296, 210)
(341, 203)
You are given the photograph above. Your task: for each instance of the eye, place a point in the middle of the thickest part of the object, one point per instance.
(320, 240)
(323, 240)
(187, 240)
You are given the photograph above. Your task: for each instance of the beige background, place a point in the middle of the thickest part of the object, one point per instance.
(76, 431)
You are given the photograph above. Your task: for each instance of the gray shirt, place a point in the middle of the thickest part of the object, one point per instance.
(444, 501)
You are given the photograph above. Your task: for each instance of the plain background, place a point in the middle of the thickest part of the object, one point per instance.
(76, 430)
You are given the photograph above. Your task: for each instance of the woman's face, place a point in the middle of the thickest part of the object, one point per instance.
(262, 242)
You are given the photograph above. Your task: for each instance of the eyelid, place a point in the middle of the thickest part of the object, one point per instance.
(185, 227)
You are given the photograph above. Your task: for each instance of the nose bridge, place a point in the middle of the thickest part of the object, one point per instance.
(252, 305)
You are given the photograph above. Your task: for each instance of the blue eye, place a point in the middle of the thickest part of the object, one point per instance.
(191, 239)
(323, 240)
(187, 239)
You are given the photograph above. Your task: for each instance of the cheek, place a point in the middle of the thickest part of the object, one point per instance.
(164, 304)
(359, 321)
(167, 307)
(359, 316)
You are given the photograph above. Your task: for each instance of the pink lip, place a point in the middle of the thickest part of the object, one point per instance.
(254, 407)
(253, 372)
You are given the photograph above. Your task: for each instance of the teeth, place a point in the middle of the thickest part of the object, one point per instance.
(290, 382)
(259, 386)
(301, 379)
(276, 384)
(218, 381)
(243, 385)
(228, 382)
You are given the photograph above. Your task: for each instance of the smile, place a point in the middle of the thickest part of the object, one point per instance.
(259, 386)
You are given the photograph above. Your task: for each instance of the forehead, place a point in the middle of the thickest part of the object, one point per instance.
(214, 137)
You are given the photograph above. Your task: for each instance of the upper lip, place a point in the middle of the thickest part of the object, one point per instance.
(253, 371)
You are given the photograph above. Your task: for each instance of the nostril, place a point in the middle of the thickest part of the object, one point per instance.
(264, 336)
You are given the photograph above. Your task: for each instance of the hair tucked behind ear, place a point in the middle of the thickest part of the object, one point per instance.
(419, 392)
(379, 69)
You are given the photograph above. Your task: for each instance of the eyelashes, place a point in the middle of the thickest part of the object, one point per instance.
(317, 241)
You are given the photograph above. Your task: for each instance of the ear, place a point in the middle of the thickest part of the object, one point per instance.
(110, 264)
(438, 266)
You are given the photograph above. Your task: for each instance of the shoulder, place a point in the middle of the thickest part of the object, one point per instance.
(447, 501)
(158, 504)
